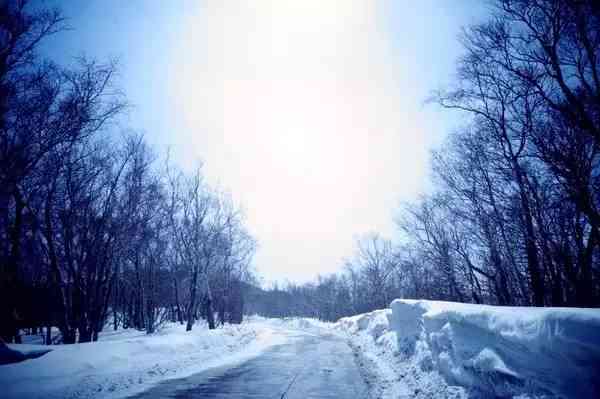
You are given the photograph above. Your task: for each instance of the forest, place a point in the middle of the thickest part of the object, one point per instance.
(99, 230)
(96, 228)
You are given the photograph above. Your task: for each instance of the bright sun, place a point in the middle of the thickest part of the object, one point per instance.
(298, 151)
(295, 108)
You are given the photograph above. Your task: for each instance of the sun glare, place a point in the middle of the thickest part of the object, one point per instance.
(294, 151)
(305, 126)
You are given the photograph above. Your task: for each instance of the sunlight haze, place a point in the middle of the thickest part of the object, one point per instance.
(310, 113)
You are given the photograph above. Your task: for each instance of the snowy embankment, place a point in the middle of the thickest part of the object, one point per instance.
(128, 361)
(446, 349)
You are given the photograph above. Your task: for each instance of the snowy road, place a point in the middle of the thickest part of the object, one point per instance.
(305, 366)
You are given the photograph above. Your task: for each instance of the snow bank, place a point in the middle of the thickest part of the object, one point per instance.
(128, 361)
(389, 374)
(9, 355)
(435, 349)
(305, 324)
(504, 351)
(374, 323)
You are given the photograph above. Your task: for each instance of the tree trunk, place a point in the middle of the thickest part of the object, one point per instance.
(55, 276)
(222, 306)
(177, 304)
(585, 289)
(9, 274)
(210, 314)
(192, 305)
(533, 264)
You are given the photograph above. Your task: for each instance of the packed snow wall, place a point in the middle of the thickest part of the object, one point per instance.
(503, 350)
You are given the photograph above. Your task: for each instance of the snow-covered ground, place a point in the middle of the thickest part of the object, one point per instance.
(128, 361)
(415, 349)
(434, 349)
(390, 374)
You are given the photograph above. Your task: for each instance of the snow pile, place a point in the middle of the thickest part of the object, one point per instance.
(435, 349)
(390, 374)
(503, 351)
(9, 355)
(374, 323)
(298, 324)
(128, 361)
(303, 324)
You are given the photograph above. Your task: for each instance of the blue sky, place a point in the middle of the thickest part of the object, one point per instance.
(310, 113)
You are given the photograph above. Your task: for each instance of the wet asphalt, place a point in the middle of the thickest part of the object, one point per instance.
(306, 366)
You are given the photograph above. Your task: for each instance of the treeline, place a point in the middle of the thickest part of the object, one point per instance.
(370, 280)
(514, 215)
(94, 227)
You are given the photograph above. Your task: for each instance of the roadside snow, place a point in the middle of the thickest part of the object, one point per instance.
(127, 361)
(504, 351)
(389, 373)
(416, 349)
(304, 324)
(434, 349)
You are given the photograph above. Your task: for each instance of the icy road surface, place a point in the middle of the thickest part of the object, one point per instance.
(307, 365)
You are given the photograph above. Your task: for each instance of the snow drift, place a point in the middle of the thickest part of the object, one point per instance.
(9, 355)
(504, 350)
(128, 361)
(491, 350)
